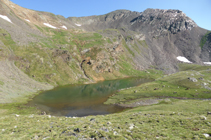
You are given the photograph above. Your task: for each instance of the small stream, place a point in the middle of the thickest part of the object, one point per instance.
(83, 100)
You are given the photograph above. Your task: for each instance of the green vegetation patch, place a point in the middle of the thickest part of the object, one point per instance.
(1, 83)
(158, 90)
(5, 37)
(191, 67)
(204, 39)
(17, 108)
(60, 36)
(87, 40)
(143, 43)
(109, 41)
(39, 28)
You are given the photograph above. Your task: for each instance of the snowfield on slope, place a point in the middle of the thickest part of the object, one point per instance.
(49, 25)
(183, 59)
(207, 63)
(77, 24)
(64, 27)
(5, 18)
(27, 20)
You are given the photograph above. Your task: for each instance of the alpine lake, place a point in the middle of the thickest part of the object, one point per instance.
(85, 99)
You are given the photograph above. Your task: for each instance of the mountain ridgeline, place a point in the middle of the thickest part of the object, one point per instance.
(40, 50)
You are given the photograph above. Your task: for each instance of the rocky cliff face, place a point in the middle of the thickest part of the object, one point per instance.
(161, 21)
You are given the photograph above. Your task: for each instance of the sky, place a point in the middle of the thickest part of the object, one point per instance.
(198, 10)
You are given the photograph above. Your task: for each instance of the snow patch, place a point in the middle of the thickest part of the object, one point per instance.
(207, 63)
(27, 20)
(183, 59)
(5, 18)
(49, 25)
(77, 24)
(64, 27)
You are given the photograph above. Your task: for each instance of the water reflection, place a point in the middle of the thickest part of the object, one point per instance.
(82, 100)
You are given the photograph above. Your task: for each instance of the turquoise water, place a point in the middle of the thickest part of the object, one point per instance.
(83, 100)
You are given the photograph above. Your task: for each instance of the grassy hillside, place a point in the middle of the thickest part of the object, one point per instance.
(57, 59)
(192, 82)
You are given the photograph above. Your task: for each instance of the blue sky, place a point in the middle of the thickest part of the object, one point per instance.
(198, 10)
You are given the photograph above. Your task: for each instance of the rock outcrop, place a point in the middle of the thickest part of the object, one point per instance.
(165, 20)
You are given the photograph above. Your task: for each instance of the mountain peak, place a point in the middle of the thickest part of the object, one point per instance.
(171, 20)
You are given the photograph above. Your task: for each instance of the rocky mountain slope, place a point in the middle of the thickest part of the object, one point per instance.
(51, 50)
(168, 34)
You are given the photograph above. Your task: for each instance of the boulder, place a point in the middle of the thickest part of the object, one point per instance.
(85, 51)
(192, 79)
